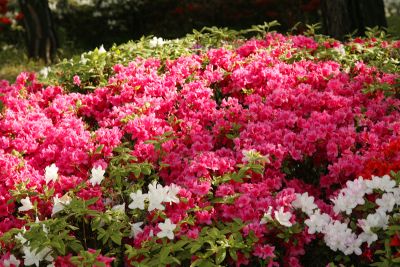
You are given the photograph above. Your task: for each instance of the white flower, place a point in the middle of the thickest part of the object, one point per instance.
(20, 237)
(11, 260)
(386, 202)
(51, 265)
(350, 196)
(172, 191)
(283, 217)
(353, 245)
(156, 42)
(137, 200)
(384, 183)
(60, 203)
(396, 195)
(45, 230)
(340, 49)
(376, 220)
(83, 59)
(368, 237)
(119, 208)
(32, 257)
(97, 176)
(44, 72)
(338, 236)
(305, 203)
(51, 173)
(101, 50)
(317, 222)
(26, 204)
(157, 194)
(135, 229)
(167, 229)
(267, 216)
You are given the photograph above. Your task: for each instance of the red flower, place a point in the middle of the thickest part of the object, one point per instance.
(5, 20)
(395, 240)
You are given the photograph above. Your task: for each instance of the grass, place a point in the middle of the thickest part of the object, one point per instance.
(13, 60)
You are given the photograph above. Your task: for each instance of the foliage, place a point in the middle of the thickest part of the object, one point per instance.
(224, 147)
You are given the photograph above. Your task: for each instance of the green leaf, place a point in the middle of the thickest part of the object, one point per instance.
(99, 149)
(233, 254)
(220, 256)
(195, 247)
(116, 238)
(164, 253)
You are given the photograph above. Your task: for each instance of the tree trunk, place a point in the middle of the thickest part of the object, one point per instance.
(341, 17)
(40, 34)
(336, 18)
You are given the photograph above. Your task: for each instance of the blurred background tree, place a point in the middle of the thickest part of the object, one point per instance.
(342, 17)
(40, 35)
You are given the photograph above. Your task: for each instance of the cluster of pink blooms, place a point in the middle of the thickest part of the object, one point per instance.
(216, 105)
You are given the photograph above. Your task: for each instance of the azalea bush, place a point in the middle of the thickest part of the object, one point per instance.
(211, 150)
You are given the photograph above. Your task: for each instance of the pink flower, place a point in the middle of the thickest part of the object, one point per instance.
(264, 251)
(77, 80)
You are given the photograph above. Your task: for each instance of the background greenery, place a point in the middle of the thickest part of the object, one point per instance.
(83, 25)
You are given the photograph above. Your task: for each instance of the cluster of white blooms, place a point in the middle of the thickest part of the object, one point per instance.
(282, 217)
(156, 42)
(305, 203)
(156, 195)
(12, 260)
(32, 257)
(351, 196)
(337, 235)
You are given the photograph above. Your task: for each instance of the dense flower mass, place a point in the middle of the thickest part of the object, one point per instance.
(230, 157)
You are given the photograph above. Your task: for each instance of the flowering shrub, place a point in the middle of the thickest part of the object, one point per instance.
(245, 153)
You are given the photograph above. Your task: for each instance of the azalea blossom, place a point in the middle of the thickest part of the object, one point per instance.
(267, 216)
(60, 203)
(156, 42)
(384, 183)
(20, 237)
(317, 222)
(135, 229)
(26, 204)
(119, 208)
(167, 229)
(97, 176)
(32, 257)
(51, 173)
(137, 200)
(305, 203)
(156, 195)
(386, 202)
(102, 50)
(283, 217)
(12, 260)
(172, 192)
